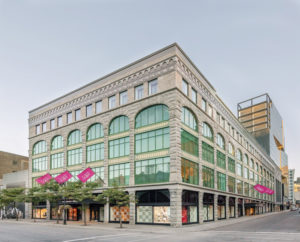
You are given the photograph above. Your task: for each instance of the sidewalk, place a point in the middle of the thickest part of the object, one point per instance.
(145, 228)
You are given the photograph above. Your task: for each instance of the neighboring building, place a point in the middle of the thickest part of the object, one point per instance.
(158, 128)
(261, 118)
(297, 185)
(11, 163)
(14, 180)
(291, 186)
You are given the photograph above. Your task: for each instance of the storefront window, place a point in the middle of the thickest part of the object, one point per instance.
(231, 207)
(208, 207)
(115, 211)
(221, 207)
(39, 213)
(189, 207)
(153, 207)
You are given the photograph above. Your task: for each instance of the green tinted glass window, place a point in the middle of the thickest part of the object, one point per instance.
(207, 132)
(95, 152)
(39, 164)
(57, 143)
(119, 147)
(95, 131)
(189, 143)
(74, 157)
(208, 153)
(208, 177)
(152, 115)
(221, 180)
(221, 160)
(39, 147)
(57, 160)
(74, 137)
(231, 165)
(152, 171)
(189, 171)
(231, 184)
(189, 119)
(118, 125)
(119, 174)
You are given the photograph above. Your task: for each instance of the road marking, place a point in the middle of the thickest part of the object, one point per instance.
(145, 239)
(95, 237)
(255, 232)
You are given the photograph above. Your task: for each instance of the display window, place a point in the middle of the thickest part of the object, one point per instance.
(231, 207)
(73, 214)
(189, 207)
(115, 211)
(208, 207)
(95, 212)
(221, 207)
(39, 213)
(153, 207)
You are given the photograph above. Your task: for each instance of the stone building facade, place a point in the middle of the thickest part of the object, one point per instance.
(158, 128)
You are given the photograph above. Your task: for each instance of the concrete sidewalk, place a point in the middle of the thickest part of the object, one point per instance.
(144, 228)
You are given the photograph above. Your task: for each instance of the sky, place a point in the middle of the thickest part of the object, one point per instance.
(51, 47)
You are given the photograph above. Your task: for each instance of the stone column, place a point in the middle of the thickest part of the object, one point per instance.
(215, 207)
(227, 208)
(48, 206)
(106, 212)
(236, 207)
(176, 207)
(243, 207)
(200, 206)
(132, 208)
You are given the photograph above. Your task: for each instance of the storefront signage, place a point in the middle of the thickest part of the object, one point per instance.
(263, 189)
(43, 179)
(63, 177)
(86, 174)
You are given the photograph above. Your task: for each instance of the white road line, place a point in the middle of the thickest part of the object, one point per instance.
(255, 232)
(95, 237)
(145, 239)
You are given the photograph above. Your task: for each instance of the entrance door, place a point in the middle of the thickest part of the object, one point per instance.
(94, 214)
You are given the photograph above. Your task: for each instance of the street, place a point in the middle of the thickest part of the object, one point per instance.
(276, 227)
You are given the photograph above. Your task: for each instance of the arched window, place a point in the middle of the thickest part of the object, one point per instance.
(230, 149)
(57, 143)
(95, 131)
(239, 154)
(207, 132)
(74, 137)
(251, 164)
(220, 141)
(189, 119)
(118, 125)
(39, 147)
(246, 159)
(151, 115)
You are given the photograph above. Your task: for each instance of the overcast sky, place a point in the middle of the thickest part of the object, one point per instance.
(50, 47)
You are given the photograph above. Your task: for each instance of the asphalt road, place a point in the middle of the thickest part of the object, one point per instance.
(277, 227)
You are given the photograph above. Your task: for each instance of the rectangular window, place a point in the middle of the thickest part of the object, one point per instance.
(221, 180)
(152, 171)
(239, 170)
(37, 129)
(251, 175)
(204, 105)
(59, 121)
(39, 164)
(221, 160)
(74, 157)
(189, 143)
(185, 87)
(118, 147)
(246, 189)
(231, 184)
(44, 127)
(189, 171)
(210, 111)
(208, 177)
(231, 165)
(153, 140)
(99, 175)
(69, 117)
(77, 114)
(89, 110)
(99, 107)
(52, 124)
(95, 152)
(123, 98)
(208, 153)
(119, 174)
(139, 92)
(194, 95)
(112, 102)
(239, 187)
(152, 87)
(246, 173)
(57, 160)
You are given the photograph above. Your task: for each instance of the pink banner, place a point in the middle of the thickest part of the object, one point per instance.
(86, 174)
(43, 179)
(63, 177)
(263, 189)
(260, 188)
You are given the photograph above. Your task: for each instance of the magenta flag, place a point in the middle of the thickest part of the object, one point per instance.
(269, 191)
(86, 174)
(43, 179)
(63, 177)
(260, 188)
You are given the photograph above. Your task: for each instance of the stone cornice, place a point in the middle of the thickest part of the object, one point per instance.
(125, 83)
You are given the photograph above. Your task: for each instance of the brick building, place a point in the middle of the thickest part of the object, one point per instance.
(158, 128)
